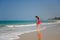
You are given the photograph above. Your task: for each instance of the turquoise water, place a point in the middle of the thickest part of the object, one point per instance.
(17, 22)
(10, 29)
(21, 22)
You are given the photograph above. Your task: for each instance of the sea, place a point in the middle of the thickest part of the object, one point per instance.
(10, 29)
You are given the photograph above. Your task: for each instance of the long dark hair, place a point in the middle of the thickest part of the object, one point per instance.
(37, 17)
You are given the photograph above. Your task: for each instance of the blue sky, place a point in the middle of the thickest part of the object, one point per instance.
(28, 9)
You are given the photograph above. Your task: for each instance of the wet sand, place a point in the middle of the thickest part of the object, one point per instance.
(51, 33)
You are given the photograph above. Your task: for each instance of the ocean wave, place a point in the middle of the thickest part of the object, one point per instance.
(14, 35)
(28, 25)
(11, 33)
(20, 25)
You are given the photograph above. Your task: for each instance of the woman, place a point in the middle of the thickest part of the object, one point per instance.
(37, 26)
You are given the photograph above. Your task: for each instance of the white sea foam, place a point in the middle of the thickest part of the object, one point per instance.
(16, 37)
(57, 21)
(28, 25)
(13, 35)
(20, 25)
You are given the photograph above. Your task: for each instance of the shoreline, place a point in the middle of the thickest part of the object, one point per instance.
(27, 36)
(51, 33)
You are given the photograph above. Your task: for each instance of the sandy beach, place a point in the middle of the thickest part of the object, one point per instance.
(52, 32)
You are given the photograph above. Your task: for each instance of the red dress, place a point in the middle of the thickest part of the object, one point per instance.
(37, 21)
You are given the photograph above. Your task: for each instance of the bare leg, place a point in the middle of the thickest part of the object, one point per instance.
(38, 32)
